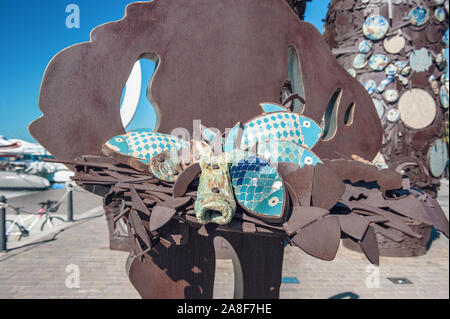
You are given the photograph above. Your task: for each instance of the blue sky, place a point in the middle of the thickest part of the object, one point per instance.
(33, 31)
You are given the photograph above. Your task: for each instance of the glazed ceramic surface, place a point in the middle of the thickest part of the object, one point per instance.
(440, 14)
(359, 61)
(438, 157)
(258, 187)
(365, 46)
(393, 115)
(215, 200)
(420, 60)
(391, 70)
(370, 86)
(281, 126)
(375, 27)
(352, 72)
(378, 62)
(379, 105)
(390, 96)
(443, 94)
(143, 144)
(418, 16)
(285, 151)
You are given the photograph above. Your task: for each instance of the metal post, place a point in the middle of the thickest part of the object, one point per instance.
(2, 223)
(70, 202)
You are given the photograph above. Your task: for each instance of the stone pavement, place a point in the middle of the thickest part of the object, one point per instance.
(42, 270)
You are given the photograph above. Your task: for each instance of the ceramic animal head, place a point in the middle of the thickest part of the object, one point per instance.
(215, 200)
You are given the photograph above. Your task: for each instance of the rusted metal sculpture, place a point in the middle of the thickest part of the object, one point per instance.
(222, 83)
(396, 49)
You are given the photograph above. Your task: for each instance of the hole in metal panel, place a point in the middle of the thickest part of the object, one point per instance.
(296, 79)
(329, 121)
(349, 113)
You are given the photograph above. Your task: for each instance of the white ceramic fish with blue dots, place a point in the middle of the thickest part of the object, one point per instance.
(136, 148)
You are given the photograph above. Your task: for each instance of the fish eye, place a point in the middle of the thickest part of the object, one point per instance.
(308, 160)
(273, 201)
(307, 124)
(163, 168)
(119, 140)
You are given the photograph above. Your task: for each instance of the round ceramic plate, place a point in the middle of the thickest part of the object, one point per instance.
(379, 106)
(444, 97)
(393, 115)
(394, 44)
(378, 62)
(417, 108)
(406, 70)
(438, 157)
(418, 16)
(352, 72)
(391, 70)
(370, 86)
(420, 60)
(365, 46)
(359, 61)
(375, 27)
(439, 2)
(390, 96)
(440, 14)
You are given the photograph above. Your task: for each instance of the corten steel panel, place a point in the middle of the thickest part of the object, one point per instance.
(217, 61)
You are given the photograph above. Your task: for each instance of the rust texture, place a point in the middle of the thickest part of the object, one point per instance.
(343, 33)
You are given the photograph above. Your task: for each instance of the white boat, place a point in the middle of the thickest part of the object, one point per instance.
(16, 147)
(16, 181)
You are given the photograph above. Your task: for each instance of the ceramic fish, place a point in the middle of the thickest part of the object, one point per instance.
(285, 151)
(215, 201)
(258, 187)
(286, 126)
(167, 166)
(138, 147)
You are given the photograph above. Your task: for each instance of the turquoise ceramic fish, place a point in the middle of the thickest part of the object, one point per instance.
(285, 151)
(285, 126)
(258, 187)
(138, 147)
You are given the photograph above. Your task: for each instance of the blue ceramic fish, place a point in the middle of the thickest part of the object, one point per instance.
(138, 147)
(285, 151)
(283, 125)
(258, 187)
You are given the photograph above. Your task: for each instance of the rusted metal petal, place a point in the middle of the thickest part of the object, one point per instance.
(437, 216)
(160, 216)
(320, 239)
(410, 207)
(299, 179)
(390, 233)
(302, 216)
(353, 225)
(137, 202)
(185, 179)
(139, 228)
(327, 187)
(369, 246)
(176, 203)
